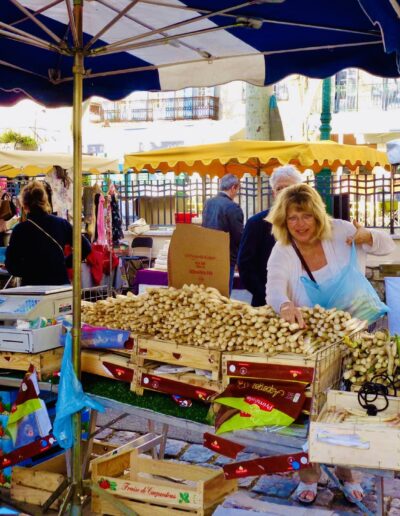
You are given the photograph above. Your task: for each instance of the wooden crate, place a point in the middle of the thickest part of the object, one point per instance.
(373, 445)
(35, 485)
(167, 352)
(157, 487)
(107, 364)
(46, 363)
(321, 371)
(188, 385)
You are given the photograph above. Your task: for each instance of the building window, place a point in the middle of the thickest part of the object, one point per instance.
(346, 86)
(95, 149)
(385, 93)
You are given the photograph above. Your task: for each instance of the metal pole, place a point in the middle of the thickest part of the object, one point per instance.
(259, 188)
(78, 70)
(323, 178)
(392, 173)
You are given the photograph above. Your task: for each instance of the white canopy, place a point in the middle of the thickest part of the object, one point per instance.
(33, 163)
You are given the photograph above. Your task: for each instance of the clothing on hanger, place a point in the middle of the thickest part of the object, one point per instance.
(96, 211)
(116, 220)
(60, 182)
(97, 188)
(100, 223)
(89, 216)
(111, 189)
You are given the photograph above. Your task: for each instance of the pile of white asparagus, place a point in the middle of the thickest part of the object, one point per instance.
(200, 316)
(370, 354)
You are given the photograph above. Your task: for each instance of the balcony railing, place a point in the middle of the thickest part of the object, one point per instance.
(174, 108)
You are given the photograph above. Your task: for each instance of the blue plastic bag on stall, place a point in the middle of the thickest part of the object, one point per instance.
(349, 291)
(71, 399)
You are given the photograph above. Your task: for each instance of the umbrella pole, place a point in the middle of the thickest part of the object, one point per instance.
(259, 189)
(78, 70)
(392, 173)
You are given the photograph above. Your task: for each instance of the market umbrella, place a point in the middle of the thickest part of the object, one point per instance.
(33, 163)
(251, 156)
(48, 51)
(151, 45)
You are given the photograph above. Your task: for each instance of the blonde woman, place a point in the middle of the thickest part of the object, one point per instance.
(310, 243)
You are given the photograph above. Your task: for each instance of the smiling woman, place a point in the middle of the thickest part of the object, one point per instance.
(300, 214)
(310, 243)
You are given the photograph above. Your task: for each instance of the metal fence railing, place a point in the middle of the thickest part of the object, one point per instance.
(163, 202)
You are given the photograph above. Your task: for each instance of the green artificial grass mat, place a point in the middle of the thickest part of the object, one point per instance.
(119, 391)
(163, 403)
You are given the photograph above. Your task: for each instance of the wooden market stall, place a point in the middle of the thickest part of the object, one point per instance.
(61, 56)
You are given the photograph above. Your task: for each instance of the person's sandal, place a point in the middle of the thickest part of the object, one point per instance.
(350, 487)
(303, 488)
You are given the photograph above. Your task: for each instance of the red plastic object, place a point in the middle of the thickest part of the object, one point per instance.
(267, 465)
(267, 371)
(161, 384)
(221, 445)
(184, 218)
(119, 372)
(27, 451)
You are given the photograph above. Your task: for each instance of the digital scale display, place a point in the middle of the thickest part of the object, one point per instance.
(17, 306)
(30, 302)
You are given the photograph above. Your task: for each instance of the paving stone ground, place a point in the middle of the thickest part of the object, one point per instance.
(276, 489)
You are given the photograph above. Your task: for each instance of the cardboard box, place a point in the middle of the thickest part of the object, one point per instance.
(199, 256)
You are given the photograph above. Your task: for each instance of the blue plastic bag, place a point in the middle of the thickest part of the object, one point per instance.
(71, 399)
(349, 291)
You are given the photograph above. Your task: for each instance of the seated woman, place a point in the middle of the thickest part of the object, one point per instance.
(36, 250)
(302, 228)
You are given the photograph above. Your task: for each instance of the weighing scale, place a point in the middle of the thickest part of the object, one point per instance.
(27, 304)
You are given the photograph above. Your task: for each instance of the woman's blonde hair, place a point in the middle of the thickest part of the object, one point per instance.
(34, 197)
(303, 198)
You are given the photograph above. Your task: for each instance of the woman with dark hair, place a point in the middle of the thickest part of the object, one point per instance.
(36, 250)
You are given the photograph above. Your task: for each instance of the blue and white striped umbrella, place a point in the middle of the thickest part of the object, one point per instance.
(170, 44)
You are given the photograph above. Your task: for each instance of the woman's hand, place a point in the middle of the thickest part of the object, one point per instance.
(292, 314)
(361, 236)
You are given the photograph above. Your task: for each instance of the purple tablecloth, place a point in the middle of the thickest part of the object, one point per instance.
(154, 277)
(151, 277)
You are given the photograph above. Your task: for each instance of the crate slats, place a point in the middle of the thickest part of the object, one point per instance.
(322, 370)
(158, 487)
(46, 363)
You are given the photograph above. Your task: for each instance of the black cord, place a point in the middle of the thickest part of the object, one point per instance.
(388, 379)
(370, 392)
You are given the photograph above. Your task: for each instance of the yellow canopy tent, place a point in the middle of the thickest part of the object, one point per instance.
(250, 156)
(33, 163)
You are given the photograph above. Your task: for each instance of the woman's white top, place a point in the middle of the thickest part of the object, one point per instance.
(285, 269)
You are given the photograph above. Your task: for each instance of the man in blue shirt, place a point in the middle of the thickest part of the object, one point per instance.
(257, 241)
(221, 212)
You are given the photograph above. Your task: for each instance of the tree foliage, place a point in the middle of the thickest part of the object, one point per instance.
(20, 141)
